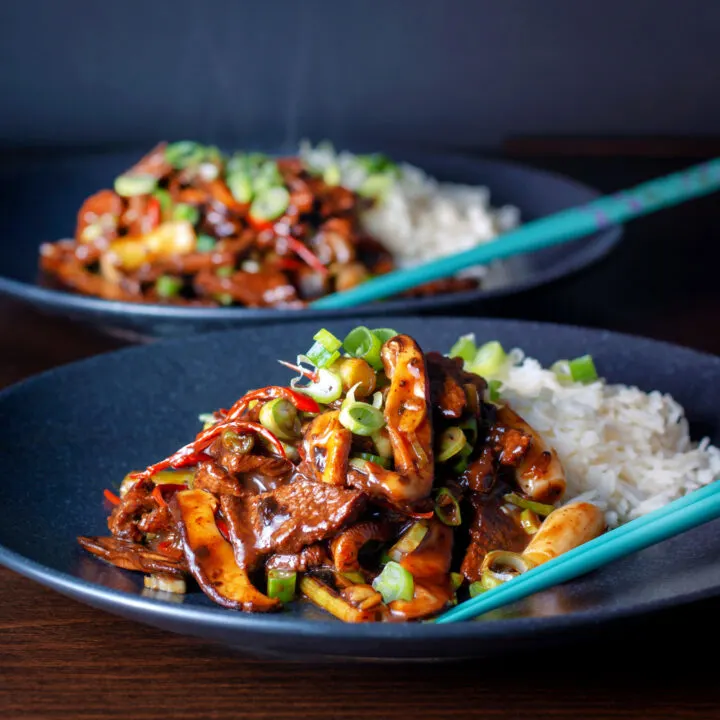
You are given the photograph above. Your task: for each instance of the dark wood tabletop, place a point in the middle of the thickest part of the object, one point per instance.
(61, 659)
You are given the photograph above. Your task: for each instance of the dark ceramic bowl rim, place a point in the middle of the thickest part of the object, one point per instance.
(275, 625)
(604, 242)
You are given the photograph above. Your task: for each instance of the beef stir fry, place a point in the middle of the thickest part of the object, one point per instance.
(188, 225)
(381, 485)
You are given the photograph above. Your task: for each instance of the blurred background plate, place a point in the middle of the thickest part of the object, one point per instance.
(40, 196)
(78, 429)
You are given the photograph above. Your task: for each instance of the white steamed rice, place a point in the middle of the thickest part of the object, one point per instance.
(420, 219)
(627, 451)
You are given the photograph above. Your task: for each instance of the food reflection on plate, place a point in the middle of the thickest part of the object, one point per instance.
(189, 225)
(386, 483)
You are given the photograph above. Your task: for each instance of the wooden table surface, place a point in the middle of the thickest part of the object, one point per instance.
(60, 659)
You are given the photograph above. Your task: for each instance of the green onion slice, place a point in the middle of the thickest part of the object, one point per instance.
(456, 579)
(463, 459)
(526, 504)
(464, 348)
(452, 441)
(327, 340)
(241, 187)
(529, 521)
(132, 185)
(185, 153)
(561, 368)
(185, 211)
(363, 343)
(384, 334)
(331, 175)
(470, 428)
(583, 370)
(270, 204)
(381, 461)
(327, 389)
(382, 444)
(361, 418)
(447, 508)
(165, 200)
(476, 588)
(376, 186)
(281, 585)
(493, 390)
(167, 286)
(235, 443)
(489, 359)
(322, 357)
(205, 243)
(408, 541)
(279, 416)
(394, 583)
(499, 566)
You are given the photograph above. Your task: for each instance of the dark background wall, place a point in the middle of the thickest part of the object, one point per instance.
(450, 74)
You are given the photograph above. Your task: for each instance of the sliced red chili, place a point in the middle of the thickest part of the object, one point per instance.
(153, 213)
(111, 497)
(306, 254)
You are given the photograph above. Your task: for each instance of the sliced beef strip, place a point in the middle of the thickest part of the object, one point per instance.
(491, 529)
(288, 518)
(139, 513)
(132, 556)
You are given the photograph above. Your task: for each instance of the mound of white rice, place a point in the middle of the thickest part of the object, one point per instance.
(418, 218)
(623, 449)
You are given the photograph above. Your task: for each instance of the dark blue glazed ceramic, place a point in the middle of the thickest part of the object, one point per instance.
(39, 199)
(71, 432)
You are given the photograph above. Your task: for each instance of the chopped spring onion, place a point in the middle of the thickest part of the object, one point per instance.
(185, 153)
(224, 298)
(377, 400)
(499, 566)
(476, 589)
(359, 417)
(464, 348)
(327, 340)
(408, 541)
(185, 211)
(381, 461)
(281, 585)
(384, 334)
(165, 583)
(331, 175)
(493, 390)
(165, 200)
(529, 521)
(394, 583)
(270, 204)
(363, 343)
(240, 186)
(167, 286)
(225, 271)
(457, 579)
(132, 185)
(205, 243)
(489, 359)
(526, 504)
(238, 444)
(452, 441)
(279, 416)
(561, 368)
(320, 357)
(382, 444)
(207, 419)
(462, 459)
(582, 369)
(376, 186)
(470, 428)
(447, 508)
(326, 389)
(291, 452)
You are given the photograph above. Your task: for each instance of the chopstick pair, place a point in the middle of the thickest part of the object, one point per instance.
(552, 230)
(695, 508)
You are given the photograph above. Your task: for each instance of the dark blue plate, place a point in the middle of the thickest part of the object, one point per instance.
(73, 431)
(39, 200)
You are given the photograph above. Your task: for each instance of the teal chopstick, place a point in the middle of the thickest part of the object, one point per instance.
(695, 508)
(551, 230)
